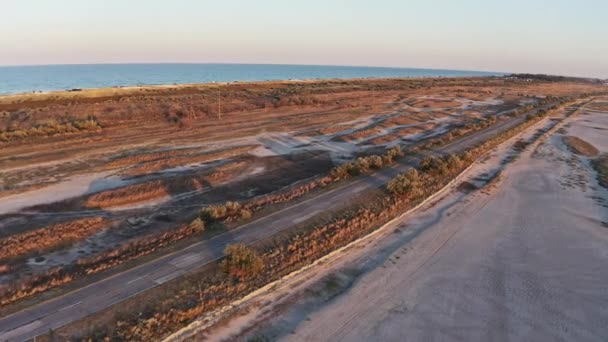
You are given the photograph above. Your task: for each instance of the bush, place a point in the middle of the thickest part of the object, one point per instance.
(405, 183)
(241, 262)
(392, 153)
(218, 212)
(453, 162)
(198, 225)
(375, 162)
(245, 214)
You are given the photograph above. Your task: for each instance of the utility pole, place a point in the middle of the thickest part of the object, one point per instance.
(219, 101)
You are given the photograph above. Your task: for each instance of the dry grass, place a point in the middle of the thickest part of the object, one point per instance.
(175, 307)
(128, 195)
(169, 186)
(360, 134)
(434, 104)
(603, 106)
(385, 139)
(400, 120)
(332, 129)
(147, 157)
(601, 167)
(580, 146)
(414, 129)
(158, 165)
(50, 237)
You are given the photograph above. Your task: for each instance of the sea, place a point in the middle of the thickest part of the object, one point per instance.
(24, 79)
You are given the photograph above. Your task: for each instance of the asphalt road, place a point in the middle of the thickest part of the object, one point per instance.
(75, 305)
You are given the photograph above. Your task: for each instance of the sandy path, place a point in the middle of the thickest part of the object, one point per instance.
(526, 263)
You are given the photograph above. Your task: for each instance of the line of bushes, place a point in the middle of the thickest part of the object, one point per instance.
(53, 127)
(245, 269)
(233, 211)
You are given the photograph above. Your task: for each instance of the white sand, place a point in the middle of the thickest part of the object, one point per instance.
(69, 188)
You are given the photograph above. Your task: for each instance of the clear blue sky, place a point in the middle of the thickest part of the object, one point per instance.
(550, 36)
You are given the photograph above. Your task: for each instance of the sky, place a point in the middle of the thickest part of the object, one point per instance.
(565, 37)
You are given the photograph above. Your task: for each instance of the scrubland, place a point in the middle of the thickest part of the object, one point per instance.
(174, 170)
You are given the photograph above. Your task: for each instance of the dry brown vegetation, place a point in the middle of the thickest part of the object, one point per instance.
(45, 128)
(63, 275)
(232, 211)
(205, 291)
(597, 105)
(580, 146)
(241, 262)
(415, 129)
(328, 130)
(137, 116)
(434, 103)
(162, 164)
(47, 238)
(436, 170)
(133, 193)
(360, 134)
(186, 116)
(384, 139)
(600, 165)
(399, 120)
(168, 186)
(139, 158)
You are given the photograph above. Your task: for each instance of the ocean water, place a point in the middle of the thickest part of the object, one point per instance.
(19, 79)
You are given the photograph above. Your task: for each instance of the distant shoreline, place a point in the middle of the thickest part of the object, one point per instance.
(84, 93)
(21, 80)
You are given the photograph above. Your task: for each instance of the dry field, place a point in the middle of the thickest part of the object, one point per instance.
(108, 168)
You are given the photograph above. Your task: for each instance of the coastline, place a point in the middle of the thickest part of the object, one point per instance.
(127, 90)
(44, 79)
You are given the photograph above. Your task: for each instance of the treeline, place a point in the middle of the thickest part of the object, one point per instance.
(554, 78)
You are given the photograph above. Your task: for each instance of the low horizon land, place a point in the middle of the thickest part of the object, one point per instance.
(57, 78)
(118, 90)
